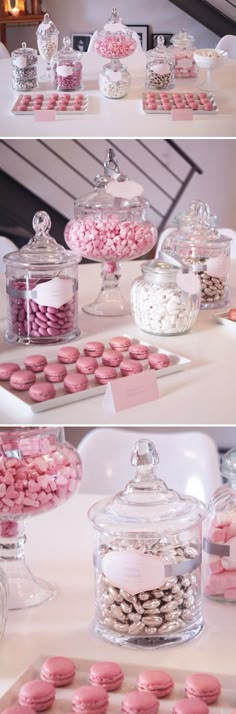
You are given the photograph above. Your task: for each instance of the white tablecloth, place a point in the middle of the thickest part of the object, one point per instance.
(60, 549)
(205, 393)
(124, 117)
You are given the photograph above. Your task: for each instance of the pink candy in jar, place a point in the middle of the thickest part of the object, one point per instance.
(109, 237)
(183, 47)
(115, 46)
(68, 68)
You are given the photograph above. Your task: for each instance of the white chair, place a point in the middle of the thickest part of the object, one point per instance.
(135, 36)
(188, 460)
(165, 234)
(228, 44)
(4, 54)
(6, 246)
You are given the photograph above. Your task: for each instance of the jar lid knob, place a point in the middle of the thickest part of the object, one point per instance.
(23, 45)
(46, 17)
(160, 41)
(67, 43)
(111, 166)
(115, 15)
(41, 223)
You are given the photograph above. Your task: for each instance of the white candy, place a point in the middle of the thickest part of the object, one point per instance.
(161, 310)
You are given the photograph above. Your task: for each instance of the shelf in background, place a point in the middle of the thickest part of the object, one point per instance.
(21, 19)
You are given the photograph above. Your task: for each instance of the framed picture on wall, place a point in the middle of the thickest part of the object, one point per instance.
(81, 41)
(167, 37)
(143, 33)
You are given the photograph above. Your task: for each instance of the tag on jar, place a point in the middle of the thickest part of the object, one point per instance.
(114, 27)
(184, 63)
(133, 571)
(218, 267)
(114, 76)
(189, 282)
(132, 391)
(53, 293)
(161, 68)
(124, 189)
(64, 71)
(21, 62)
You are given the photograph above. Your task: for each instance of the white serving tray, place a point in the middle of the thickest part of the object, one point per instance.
(168, 111)
(69, 110)
(62, 703)
(224, 320)
(177, 364)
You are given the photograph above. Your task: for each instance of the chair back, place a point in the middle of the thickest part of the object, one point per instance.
(228, 44)
(4, 54)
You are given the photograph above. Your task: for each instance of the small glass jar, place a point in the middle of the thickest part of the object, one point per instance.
(199, 245)
(147, 560)
(116, 40)
(3, 602)
(184, 47)
(219, 544)
(160, 67)
(24, 68)
(47, 40)
(114, 82)
(42, 289)
(159, 304)
(68, 68)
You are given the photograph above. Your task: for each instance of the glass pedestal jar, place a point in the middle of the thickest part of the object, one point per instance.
(147, 560)
(39, 470)
(47, 41)
(183, 48)
(115, 42)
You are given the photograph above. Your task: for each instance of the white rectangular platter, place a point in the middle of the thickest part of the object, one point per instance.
(69, 110)
(62, 704)
(160, 110)
(224, 320)
(177, 364)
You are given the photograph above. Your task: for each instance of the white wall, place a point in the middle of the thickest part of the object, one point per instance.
(89, 15)
(224, 436)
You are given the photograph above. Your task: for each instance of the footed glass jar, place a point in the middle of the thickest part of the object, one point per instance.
(198, 244)
(39, 470)
(219, 545)
(164, 299)
(147, 560)
(115, 42)
(114, 83)
(160, 68)
(184, 48)
(68, 68)
(110, 225)
(24, 68)
(42, 289)
(47, 41)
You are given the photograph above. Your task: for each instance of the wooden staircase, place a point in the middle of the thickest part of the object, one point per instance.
(219, 16)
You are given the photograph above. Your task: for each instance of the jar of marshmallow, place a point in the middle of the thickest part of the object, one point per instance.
(68, 68)
(164, 299)
(219, 544)
(24, 68)
(160, 69)
(42, 289)
(184, 48)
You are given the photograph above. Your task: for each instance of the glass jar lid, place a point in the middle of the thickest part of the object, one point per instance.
(160, 53)
(198, 225)
(146, 504)
(42, 250)
(159, 271)
(115, 25)
(67, 52)
(228, 464)
(47, 27)
(23, 51)
(182, 39)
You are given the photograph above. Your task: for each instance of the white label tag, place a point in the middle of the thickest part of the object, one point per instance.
(114, 76)
(53, 293)
(184, 63)
(114, 27)
(124, 189)
(64, 71)
(218, 267)
(161, 68)
(21, 62)
(133, 571)
(189, 282)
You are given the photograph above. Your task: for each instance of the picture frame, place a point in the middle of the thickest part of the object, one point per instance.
(143, 33)
(166, 35)
(81, 40)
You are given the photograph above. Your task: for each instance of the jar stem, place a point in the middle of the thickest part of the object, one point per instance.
(110, 301)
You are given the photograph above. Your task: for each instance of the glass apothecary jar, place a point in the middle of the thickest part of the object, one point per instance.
(184, 48)
(116, 40)
(39, 470)
(147, 560)
(114, 83)
(47, 40)
(196, 241)
(111, 225)
(160, 67)
(3, 602)
(164, 299)
(42, 289)
(219, 545)
(24, 68)
(67, 68)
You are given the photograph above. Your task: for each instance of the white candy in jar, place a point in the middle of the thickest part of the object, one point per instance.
(160, 310)
(113, 90)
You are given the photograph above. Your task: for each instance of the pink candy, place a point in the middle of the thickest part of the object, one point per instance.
(73, 81)
(107, 237)
(30, 319)
(185, 71)
(115, 46)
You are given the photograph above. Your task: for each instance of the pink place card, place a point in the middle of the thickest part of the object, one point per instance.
(127, 392)
(45, 115)
(182, 114)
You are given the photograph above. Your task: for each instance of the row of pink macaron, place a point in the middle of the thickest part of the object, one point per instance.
(39, 694)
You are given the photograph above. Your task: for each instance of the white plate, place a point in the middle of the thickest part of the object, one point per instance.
(62, 704)
(69, 110)
(168, 111)
(224, 320)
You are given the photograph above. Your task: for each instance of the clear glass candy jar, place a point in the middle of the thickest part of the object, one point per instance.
(164, 300)
(24, 68)
(68, 68)
(111, 224)
(219, 545)
(42, 289)
(184, 47)
(114, 83)
(116, 40)
(39, 471)
(47, 41)
(147, 560)
(198, 244)
(160, 67)
(3, 602)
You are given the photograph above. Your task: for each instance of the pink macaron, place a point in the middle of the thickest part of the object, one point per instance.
(35, 362)
(42, 391)
(158, 360)
(107, 674)
(156, 681)
(112, 358)
(103, 375)
(130, 366)
(60, 671)
(190, 706)
(138, 351)
(120, 343)
(68, 355)
(139, 703)
(86, 365)
(7, 369)
(22, 379)
(94, 349)
(37, 694)
(75, 382)
(18, 709)
(55, 372)
(89, 699)
(205, 686)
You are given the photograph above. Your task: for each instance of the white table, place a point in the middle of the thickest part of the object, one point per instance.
(205, 393)
(124, 117)
(60, 549)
